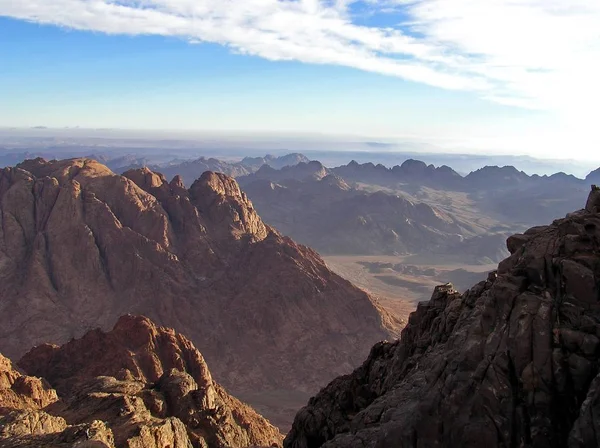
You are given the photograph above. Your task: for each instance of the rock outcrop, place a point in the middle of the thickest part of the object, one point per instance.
(22, 392)
(81, 246)
(138, 385)
(513, 362)
(24, 423)
(593, 202)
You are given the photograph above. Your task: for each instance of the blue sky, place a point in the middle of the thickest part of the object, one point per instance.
(445, 71)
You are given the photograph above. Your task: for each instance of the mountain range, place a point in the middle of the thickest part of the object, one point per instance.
(101, 274)
(81, 246)
(334, 218)
(369, 209)
(190, 170)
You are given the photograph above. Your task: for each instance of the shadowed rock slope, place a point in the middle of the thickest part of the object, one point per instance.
(81, 246)
(513, 362)
(137, 386)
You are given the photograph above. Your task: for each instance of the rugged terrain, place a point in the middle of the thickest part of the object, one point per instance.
(336, 219)
(81, 246)
(488, 192)
(512, 362)
(301, 171)
(190, 170)
(255, 163)
(138, 385)
(412, 208)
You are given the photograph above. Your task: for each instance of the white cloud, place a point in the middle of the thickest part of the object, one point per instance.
(541, 54)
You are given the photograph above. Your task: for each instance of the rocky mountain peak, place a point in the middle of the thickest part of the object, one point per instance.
(219, 197)
(177, 183)
(413, 166)
(136, 348)
(145, 178)
(65, 170)
(593, 202)
(148, 385)
(217, 184)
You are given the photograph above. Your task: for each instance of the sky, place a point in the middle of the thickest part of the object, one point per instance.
(502, 76)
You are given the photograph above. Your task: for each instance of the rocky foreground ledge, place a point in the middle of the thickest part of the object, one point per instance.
(513, 362)
(137, 386)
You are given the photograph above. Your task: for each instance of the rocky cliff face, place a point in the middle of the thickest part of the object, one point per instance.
(81, 246)
(137, 386)
(513, 362)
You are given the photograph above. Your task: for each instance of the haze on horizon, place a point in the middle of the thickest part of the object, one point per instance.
(504, 77)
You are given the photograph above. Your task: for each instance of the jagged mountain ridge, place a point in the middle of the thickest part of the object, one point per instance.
(255, 163)
(193, 169)
(416, 171)
(190, 170)
(512, 362)
(302, 171)
(335, 219)
(81, 246)
(137, 385)
(409, 171)
(486, 196)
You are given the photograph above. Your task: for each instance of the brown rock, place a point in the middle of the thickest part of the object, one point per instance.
(33, 429)
(137, 386)
(593, 202)
(139, 373)
(30, 423)
(515, 242)
(20, 392)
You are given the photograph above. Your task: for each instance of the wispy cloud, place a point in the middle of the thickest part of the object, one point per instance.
(542, 54)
